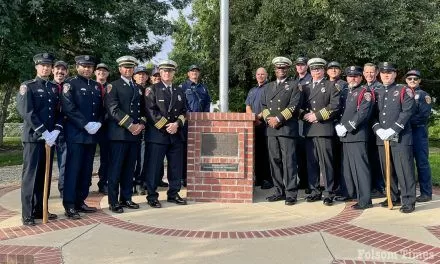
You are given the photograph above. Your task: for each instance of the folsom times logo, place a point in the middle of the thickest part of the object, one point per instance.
(399, 255)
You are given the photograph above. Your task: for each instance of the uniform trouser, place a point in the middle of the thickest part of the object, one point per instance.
(377, 177)
(104, 156)
(302, 162)
(402, 172)
(339, 186)
(320, 160)
(157, 153)
(32, 179)
(421, 153)
(356, 171)
(283, 165)
(79, 168)
(61, 149)
(140, 164)
(262, 164)
(121, 169)
(144, 176)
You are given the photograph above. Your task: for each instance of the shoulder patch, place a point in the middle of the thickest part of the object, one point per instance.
(109, 88)
(66, 87)
(409, 92)
(367, 96)
(23, 89)
(428, 99)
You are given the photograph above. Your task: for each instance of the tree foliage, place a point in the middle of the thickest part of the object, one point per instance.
(352, 32)
(105, 29)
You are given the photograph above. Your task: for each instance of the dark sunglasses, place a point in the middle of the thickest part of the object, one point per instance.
(413, 78)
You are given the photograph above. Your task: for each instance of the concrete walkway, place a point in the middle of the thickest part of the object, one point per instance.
(211, 233)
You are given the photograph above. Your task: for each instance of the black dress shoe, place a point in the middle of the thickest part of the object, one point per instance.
(266, 185)
(49, 216)
(154, 203)
(407, 208)
(313, 198)
(328, 201)
(84, 208)
(116, 208)
(72, 213)
(28, 221)
(357, 206)
(290, 201)
(129, 204)
(275, 197)
(423, 198)
(177, 200)
(395, 203)
(163, 184)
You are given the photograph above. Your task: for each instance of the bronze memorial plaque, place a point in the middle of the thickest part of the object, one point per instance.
(219, 144)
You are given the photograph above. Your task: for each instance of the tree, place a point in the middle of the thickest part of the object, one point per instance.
(352, 32)
(106, 29)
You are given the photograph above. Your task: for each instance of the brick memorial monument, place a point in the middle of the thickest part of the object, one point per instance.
(220, 157)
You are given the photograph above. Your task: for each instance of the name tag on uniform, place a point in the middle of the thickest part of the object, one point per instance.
(40, 90)
(396, 93)
(83, 89)
(161, 100)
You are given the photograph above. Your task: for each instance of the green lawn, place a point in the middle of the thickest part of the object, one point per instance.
(434, 160)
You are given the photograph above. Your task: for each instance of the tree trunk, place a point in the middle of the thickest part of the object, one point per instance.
(4, 111)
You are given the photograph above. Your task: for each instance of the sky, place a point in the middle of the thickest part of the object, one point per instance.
(167, 46)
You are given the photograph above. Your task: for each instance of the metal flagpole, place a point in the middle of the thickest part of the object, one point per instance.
(224, 50)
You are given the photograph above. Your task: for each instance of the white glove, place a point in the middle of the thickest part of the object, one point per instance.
(96, 126)
(48, 138)
(47, 135)
(381, 133)
(388, 133)
(89, 126)
(341, 130)
(55, 134)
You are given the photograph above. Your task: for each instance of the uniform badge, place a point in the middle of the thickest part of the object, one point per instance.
(428, 99)
(300, 88)
(147, 91)
(109, 88)
(409, 92)
(66, 87)
(97, 88)
(417, 96)
(23, 89)
(336, 86)
(287, 87)
(323, 90)
(54, 89)
(396, 93)
(367, 96)
(179, 98)
(355, 94)
(307, 82)
(140, 92)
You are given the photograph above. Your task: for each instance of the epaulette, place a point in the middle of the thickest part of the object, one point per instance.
(28, 82)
